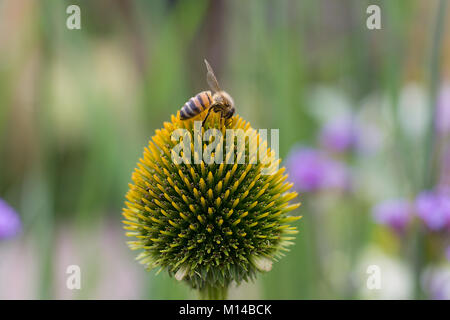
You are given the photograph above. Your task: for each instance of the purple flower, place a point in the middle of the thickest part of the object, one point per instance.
(9, 221)
(436, 282)
(444, 179)
(394, 213)
(312, 170)
(434, 209)
(443, 110)
(338, 135)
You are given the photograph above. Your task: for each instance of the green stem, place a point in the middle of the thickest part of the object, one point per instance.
(418, 263)
(319, 249)
(435, 64)
(213, 293)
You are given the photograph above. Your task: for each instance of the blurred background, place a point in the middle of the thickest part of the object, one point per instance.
(364, 119)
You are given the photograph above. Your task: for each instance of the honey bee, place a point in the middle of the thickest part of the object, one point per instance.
(220, 101)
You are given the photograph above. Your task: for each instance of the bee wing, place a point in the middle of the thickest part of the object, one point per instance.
(211, 78)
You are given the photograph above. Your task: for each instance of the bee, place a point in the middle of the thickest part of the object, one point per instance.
(219, 101)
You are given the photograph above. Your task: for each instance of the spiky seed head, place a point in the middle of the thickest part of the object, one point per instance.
(208, 224)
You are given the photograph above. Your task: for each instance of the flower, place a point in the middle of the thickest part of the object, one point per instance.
(436, 282)
(207, 224)
(444, 174)
(312, 170)
(338, 135)
(443, 110)
(434, 209)
(395, 213)
(9, 221)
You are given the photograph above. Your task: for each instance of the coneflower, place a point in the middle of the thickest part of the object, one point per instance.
(209, 224)
(10, 224)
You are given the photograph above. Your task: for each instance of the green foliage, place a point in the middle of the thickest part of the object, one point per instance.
(76, 107)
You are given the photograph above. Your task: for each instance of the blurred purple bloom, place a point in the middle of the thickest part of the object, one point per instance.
(437, 283)
(434, 209)
(313, 170)
(443, 110)
(9, 221)
(444, 179)
(338, 135)
(394, 213)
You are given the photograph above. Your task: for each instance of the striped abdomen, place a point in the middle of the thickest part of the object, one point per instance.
(196, 105)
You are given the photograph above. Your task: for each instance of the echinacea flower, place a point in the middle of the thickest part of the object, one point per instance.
(9, 221)
(208, 224)
(433, 207)
(393, 213)
(312, 170)
(339, 135)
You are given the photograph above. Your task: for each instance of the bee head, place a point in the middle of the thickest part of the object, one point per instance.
(224, 99)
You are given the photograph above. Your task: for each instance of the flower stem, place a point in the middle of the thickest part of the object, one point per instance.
(435, 65)
(428, 178)
(213, 293)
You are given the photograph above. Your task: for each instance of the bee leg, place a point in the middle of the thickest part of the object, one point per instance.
(228, 117)
(207, 115)
(222, 119)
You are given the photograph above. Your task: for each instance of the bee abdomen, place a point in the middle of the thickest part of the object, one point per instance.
(196, 105)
